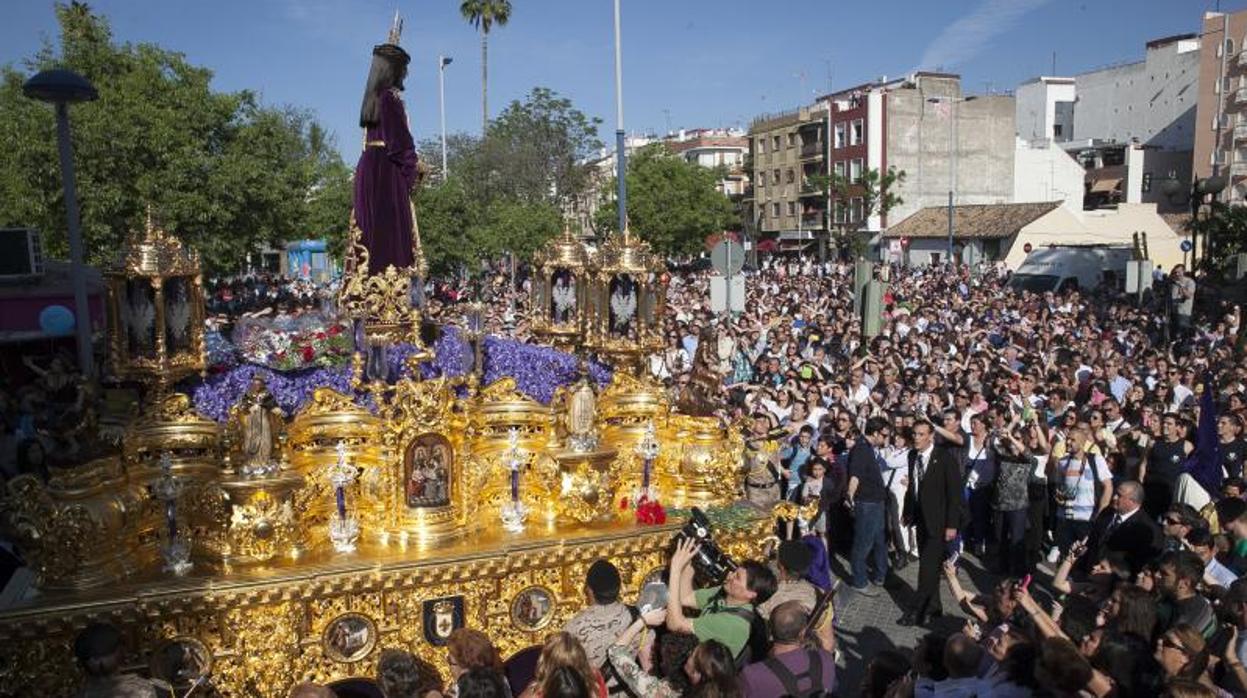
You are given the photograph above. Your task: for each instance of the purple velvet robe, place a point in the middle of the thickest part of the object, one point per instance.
(384, 179)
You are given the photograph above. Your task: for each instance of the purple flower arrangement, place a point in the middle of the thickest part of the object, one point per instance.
(538, 371)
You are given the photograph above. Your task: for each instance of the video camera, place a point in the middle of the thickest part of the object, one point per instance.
(710, 561)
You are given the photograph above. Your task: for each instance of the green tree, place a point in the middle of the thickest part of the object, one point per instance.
(875, 189)
(483, 14)
(226, 173)
(672, 203)
(1223, 231)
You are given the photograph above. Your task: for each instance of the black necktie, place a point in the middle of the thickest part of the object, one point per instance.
(1113, 524)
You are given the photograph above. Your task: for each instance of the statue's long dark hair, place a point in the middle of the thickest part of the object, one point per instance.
(388, 70)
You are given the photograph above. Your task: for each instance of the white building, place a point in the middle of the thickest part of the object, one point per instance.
(1130, 125)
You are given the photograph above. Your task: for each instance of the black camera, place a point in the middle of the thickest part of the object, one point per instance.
(709, 561)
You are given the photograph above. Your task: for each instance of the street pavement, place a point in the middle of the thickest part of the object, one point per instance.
(866, 625)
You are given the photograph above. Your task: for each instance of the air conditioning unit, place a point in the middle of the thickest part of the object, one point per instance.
(21, 254)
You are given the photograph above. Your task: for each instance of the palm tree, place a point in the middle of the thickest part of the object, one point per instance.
(483, 14)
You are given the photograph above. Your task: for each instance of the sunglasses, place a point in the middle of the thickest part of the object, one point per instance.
(1172, 521)
(1166, 642)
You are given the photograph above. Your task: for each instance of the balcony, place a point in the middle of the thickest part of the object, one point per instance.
(812, 220)
(1241, 59)
(812, 150)
(1238, 169)
(808, 189)
(1240, 95)
(1240, 132)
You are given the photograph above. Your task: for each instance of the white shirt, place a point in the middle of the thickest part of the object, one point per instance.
(1219, 573)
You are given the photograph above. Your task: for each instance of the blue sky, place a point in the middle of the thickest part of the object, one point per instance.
(687, 63)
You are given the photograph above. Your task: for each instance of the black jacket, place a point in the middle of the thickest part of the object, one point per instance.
(1139, 538)
(934, 504)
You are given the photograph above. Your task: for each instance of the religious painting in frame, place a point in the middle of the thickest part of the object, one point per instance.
(532, 609)
(427, 471)
(181, 662)
(349, 637)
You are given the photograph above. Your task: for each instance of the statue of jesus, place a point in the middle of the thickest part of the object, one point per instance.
(387, 169)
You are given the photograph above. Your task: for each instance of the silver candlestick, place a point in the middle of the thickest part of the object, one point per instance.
(176, 548)
(343, 529)
(514, 512)
(648, 449)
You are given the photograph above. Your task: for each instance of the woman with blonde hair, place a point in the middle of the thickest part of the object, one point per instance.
(1183, 655)
(563, 651)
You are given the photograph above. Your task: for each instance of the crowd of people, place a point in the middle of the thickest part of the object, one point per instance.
(1084, 448)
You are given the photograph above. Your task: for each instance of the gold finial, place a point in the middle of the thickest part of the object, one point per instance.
(627, 231)
(396, 30)
(151, 224)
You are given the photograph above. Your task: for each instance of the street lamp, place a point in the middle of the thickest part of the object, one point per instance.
(952, 161)
(442, 62)
(62, 88)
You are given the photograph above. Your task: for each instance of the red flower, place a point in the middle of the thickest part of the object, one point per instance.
(320, 335)
(623, 504)
(335, 330)
(308, 353)
(650, 512)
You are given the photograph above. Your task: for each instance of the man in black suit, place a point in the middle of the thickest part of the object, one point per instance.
(1125, 528)
(933, 505)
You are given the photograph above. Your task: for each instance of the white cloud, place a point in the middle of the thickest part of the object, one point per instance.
(970, 34)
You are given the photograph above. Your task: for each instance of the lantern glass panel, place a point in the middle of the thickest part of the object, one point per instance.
(138, 315)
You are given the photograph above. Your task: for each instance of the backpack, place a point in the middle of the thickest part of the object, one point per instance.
(789, 680)
(759, 643)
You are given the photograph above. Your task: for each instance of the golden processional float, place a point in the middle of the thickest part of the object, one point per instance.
(276, 548)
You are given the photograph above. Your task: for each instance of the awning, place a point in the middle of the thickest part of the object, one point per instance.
(1106, 185)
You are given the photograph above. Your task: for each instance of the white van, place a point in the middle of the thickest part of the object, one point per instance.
(1067, 268)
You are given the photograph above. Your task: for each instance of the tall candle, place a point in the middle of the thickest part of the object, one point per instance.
(515, 484)
(171, 520)
(340, 494)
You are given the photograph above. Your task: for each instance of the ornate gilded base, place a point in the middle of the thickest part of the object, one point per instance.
(262, 629)
(588, 485)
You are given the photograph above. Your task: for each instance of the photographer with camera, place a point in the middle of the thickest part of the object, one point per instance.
(727, 612)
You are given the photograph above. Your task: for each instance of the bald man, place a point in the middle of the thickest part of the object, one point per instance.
(1124, 527)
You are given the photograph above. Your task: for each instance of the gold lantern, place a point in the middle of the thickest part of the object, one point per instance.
(627, 299)
(156, 310)
(560, 292)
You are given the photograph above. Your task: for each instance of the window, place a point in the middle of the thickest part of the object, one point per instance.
(839, 213)
(1229, 46)
(840, 168)
(792, 140)
(775, 143)
(857, 133)
(1057, 130)
(840, 131)
(855, 169)
(775, 177)
(775, 209)
(792, 176)
(792, 208)
(761, 145)
(856, 209)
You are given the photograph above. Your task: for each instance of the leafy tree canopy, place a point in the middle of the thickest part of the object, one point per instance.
(225, 172)
(672, 203)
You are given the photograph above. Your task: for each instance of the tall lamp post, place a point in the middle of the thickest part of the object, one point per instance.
(621, 154)
(442, 62)
(62, 88)
(951, 102)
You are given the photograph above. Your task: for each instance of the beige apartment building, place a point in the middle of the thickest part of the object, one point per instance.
(1221, 112)
(785, 149)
